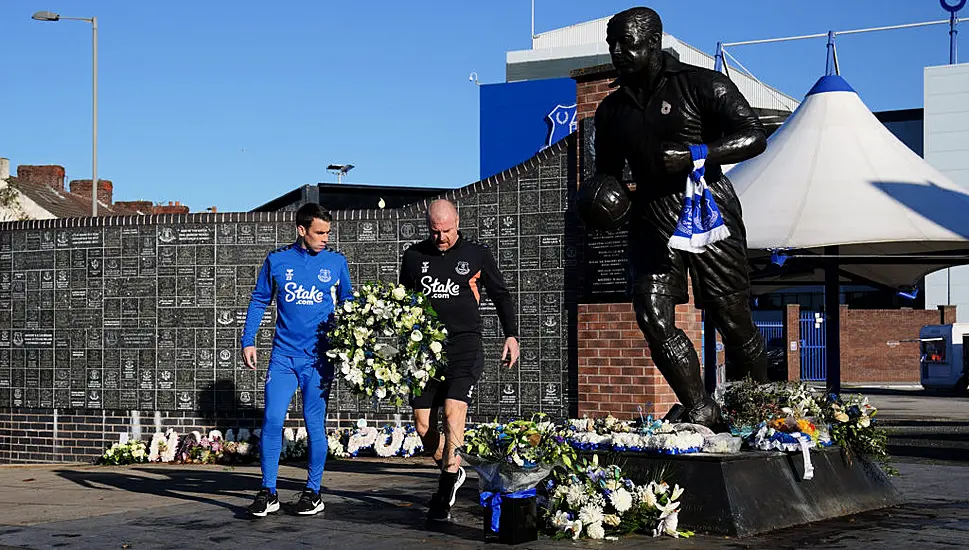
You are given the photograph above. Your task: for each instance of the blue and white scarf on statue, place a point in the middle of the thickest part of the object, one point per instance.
(700, 221)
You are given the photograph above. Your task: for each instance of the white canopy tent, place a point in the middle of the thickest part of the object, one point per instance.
(833, 175)
(842, 197)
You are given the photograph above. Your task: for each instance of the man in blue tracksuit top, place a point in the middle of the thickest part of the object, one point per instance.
(307, 280)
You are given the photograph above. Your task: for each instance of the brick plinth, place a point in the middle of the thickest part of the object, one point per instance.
(616, 372)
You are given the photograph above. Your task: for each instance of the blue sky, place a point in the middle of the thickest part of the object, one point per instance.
(234, 103)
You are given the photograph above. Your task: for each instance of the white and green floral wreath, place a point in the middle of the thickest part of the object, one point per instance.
(387, 342)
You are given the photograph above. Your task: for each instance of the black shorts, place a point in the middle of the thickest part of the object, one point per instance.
(465, 363)
(655, 268)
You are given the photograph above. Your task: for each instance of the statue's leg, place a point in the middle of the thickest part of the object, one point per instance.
(675, 357)
(742, 341)
(722, 285)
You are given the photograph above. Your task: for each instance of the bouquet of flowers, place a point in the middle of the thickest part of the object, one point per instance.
(130, 452)
(853, 428)
(599, 502)
(518, 446)
(335, 446)
(387, 342)
(199, 449)
(746, 404)
(511, 459)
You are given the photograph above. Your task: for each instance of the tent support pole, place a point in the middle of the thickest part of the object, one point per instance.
(832, 320)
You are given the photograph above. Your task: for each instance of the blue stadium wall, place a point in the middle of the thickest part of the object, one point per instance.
(514, 124)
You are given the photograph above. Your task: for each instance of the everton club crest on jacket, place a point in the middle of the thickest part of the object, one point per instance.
(305, 287)
(453, 280)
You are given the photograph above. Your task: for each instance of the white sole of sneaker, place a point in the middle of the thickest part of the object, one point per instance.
(274, 507)
(314, 511)
(462, 475)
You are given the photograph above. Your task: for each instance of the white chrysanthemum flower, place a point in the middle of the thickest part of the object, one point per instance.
(590, 514)
(621, 500)
(436, 347)
(576, 496)
(595, 531)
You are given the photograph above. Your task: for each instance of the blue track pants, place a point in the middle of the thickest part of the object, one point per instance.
(313, 378)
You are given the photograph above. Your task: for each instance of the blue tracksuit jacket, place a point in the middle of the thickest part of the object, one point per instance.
(306, 287)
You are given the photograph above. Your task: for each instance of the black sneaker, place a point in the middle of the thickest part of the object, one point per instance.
(310, 503)
(462, 475)
(265, 503)
(439, 509)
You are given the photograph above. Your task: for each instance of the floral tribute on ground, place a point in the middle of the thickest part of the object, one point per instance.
(576, 499)
(387, 342)
(599, 502)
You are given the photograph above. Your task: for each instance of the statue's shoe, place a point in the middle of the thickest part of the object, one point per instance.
(707, 414)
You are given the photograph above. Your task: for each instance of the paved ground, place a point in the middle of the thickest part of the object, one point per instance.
(907, 404)
(379, 504)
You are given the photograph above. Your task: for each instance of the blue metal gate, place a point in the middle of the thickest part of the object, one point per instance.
(772, 331)
(813, 365)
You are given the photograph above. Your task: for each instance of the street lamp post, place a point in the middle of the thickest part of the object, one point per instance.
(50, 16)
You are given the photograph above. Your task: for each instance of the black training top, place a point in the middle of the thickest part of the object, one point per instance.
(452, 280)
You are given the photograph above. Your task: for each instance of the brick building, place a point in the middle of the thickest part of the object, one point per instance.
(43, 192)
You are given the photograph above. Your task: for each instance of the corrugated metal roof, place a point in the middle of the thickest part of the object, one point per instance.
(587, 40)
(588, 32)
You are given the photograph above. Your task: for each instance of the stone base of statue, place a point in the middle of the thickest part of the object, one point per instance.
(754, 492)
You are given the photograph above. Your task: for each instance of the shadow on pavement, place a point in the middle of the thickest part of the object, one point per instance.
(196, 485)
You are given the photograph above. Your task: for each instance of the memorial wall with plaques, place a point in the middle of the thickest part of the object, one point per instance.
(146, 313)
(603, 254)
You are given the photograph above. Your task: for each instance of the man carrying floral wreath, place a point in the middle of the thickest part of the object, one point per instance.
(450, 269)
(305, 278)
